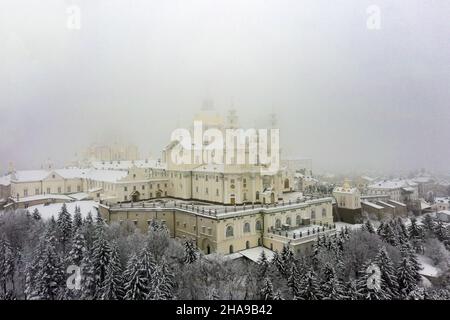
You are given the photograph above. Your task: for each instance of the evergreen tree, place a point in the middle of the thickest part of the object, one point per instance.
(112, 288)
(441, 232)
(77, 220)
(7, 264)
(190, 252)
(388, 273)
(136, 284)
(389, 235)
(88, 280)
(428, 224)
(89, 231)
(262, 267)
(76, 254)
(36, 215)
(331, 286)
(50, 276)
(64, 228)
(405, 277)
(278, 263)
(293, 281)
(162, 283)
(267, 290)
(309, 287)
(368, 226)
(415, 234)
(287, 258)
(101, 254)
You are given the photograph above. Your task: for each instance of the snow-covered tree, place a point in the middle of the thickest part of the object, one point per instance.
(77, 220)
(136, 283)
(76, 253)
(101, 254)
(88, 279)
(367, 226)
(415, 235)
(388, 272)
(293, 281)
(64, 228)
(190, 252)
(406, 277)
(162, 283)
(331, 286)
(262, 266)
(36, 215)
(50, 275)
(309, 286)
(112, 287)
(428, 224)
(267, 290)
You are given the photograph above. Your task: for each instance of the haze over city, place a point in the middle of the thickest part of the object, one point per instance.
(346, 96)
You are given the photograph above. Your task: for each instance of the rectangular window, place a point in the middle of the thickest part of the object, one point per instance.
(217, 192)
(59, 189)
(125, 188)
(48, 190)
(36, 191)
(134, 188)
(25, 192)
(125, 198)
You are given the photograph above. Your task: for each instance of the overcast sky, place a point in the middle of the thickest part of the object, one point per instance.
(346, 96)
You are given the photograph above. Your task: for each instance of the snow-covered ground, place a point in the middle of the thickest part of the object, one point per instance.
(53, 209)
(428, 268)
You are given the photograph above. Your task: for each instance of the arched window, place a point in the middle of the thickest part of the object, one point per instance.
(298, 220)
(278, 223)
(324, 213)
(288, 220)
(246, 227)
(247, 245)
(258, 226)
(231, 249)
(229, 232)
(313, 214)
(259, 241)
(257, 195)
(286, 183)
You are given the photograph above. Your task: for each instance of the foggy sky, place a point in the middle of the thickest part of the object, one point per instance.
(346, 96)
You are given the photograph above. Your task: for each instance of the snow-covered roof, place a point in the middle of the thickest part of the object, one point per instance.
(386, 204)
(393, 184)
(446, 212)
(442, 200)
(5, 180)
(345, 190)
(42, 197)
(397, 203)
(371, 204)
(70, 173)
(255, 253)
(127, 164)
(79, 196)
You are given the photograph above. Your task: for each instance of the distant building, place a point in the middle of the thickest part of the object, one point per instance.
(348, 203)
